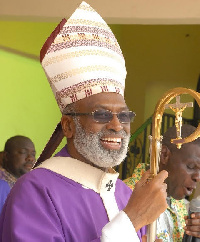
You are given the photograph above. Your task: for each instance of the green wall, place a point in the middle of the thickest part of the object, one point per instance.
(27, 37)
(28, 106)
(157, 58)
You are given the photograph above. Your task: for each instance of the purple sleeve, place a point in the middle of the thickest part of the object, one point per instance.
(4, 190)
(29, 215)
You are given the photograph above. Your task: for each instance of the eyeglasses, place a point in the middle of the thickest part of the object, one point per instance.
(105, 116)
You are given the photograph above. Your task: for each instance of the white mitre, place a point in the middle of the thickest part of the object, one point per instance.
(82, 57)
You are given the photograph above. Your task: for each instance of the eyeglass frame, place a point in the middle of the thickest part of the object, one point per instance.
(92, 114)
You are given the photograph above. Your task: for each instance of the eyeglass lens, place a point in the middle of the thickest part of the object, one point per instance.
(105, 116)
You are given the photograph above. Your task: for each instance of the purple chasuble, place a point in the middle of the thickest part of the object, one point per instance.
(45, 206)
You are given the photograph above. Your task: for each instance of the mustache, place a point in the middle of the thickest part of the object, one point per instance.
(120, 133)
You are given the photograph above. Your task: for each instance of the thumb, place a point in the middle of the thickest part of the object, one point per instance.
(144, 238)
(161, 176)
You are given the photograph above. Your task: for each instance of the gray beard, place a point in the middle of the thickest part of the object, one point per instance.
(89, 146)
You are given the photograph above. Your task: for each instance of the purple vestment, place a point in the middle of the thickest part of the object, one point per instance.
(4, 191)
(44, 206)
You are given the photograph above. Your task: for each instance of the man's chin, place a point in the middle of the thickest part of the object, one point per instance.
(179, 196)
(24, 172)
(105, 165)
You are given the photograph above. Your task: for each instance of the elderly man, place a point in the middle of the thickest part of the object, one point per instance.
(76, 195)
(18, 158)
(183, 166)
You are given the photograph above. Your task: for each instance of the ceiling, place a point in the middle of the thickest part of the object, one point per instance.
(113, 11)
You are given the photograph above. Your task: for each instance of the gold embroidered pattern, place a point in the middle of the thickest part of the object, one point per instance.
(81, 70)
(87, 22)
(82, 36)
(86, 29)
(74, 54)
(64, 42)
(88, 85)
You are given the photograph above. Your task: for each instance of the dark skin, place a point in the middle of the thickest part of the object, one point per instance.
(182, 183)
(20, 156)
(1, 158)
(89, 105)
(148, 201)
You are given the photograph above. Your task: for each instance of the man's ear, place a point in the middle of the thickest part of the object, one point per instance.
(68, 126)
(165, 155)
(5, 158)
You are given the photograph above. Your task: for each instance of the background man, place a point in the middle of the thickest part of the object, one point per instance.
(76, 196)
(183, 166)
(18, 158)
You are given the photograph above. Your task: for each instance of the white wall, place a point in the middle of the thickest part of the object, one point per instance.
(113, 11)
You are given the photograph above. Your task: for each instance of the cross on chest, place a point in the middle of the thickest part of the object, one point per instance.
(109, 185)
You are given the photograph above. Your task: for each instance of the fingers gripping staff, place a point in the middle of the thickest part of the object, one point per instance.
(139, 210)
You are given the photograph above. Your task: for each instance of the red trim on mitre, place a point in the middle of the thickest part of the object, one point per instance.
(51, 39)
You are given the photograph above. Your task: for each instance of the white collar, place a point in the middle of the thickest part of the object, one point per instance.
(88, 176)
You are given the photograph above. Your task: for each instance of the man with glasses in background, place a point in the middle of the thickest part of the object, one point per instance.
(76, 196)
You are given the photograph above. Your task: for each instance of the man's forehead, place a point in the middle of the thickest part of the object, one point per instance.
(103, 99)
(191, 145)
(190, 152)
(20, 143)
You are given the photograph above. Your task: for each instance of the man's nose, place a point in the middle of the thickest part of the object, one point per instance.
(114, 124)
(30, 157)
(196, 175)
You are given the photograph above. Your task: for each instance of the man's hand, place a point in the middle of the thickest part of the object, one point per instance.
(193, 225)
(148, 200)
(144, 239)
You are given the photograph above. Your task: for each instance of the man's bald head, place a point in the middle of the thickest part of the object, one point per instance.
(16, 140)
(186, 131)
(19, 155)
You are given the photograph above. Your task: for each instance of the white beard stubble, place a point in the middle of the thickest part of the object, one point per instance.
(89, 146)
